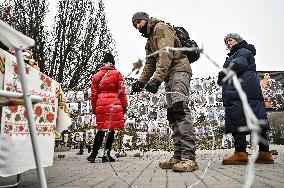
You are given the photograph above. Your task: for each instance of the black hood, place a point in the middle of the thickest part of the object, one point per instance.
(243, 44)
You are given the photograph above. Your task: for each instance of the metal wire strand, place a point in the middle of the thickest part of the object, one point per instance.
(252, 122)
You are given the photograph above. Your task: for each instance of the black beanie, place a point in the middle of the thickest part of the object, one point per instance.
(109, 58)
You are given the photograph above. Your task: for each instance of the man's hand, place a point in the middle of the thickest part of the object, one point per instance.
(153, 86)
(137, 86)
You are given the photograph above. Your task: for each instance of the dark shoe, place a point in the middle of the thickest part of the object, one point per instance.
(91, 158)
(265, 157)
(238, 158)
(137, 155)
(107, 158)
(274, 152)
(80, 153)
(121, 154)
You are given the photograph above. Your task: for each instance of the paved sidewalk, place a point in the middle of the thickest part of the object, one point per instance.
(144, 172)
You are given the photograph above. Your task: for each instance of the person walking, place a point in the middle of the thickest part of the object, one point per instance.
(109, 103)
(241, 60)
(173, 68)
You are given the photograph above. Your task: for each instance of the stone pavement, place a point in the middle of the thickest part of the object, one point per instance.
(143, 172)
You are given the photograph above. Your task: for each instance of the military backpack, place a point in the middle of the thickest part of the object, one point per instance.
(185, 40)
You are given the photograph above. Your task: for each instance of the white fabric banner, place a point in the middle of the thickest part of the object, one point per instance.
(16, 153)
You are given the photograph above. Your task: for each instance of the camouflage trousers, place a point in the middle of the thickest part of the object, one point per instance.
(183, 131)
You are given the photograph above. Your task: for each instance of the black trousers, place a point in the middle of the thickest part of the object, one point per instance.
(241, 145)
(99, 140)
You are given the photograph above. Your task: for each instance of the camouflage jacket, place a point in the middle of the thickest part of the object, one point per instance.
(163, 64)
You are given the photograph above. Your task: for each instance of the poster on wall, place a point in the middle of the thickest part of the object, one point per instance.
(73, 107)
(69, 96)
(87, 119)
(129, 123)
(90, 135)
(79, 96)
(143, 125)
(85, 107)
(152, 126)
(78, 137)
(127, 141)
(141, 138)
(271, 83)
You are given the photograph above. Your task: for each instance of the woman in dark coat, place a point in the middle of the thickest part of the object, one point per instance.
(109, 102)
(241, 60)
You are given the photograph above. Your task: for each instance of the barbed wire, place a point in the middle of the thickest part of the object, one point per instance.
(107, 134)
(252, 121)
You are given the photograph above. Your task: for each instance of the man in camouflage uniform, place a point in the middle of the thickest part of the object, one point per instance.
(172, 67)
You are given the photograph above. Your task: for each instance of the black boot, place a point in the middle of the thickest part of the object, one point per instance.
(109, 141)
(107, 158)
(92, 158)
(97, 144)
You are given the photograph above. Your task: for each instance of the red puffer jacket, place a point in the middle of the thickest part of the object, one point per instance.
(108, 98)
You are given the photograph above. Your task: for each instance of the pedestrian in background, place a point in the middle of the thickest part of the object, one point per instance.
(109, 103)
(241, 60)
(173, 68)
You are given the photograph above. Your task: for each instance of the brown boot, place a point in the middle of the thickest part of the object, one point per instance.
(238, 158)
(168, 164)
(265, 157)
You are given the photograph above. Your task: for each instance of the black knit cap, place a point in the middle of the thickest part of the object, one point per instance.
(109, 58)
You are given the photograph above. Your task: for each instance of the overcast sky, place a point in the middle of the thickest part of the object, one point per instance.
(259, 22)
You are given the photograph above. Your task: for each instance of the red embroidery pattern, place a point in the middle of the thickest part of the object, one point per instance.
(46, 82)
(16, 121)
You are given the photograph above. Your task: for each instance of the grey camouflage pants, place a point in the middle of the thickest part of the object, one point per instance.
(183, 131)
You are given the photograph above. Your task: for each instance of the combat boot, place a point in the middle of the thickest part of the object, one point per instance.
(185, 166)
(265, 157)
(168, 164)
(238, 158)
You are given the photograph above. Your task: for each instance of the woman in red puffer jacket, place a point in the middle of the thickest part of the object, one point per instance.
(109, 102)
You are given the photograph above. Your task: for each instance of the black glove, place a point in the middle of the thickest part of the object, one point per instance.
(227, 63)
(137, 86)
(153, 86)
(221, 75)
(124, 110)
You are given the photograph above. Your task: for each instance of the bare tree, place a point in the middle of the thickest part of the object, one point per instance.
(72, 51)
(82, 37)
(28, 17)
(97, 41)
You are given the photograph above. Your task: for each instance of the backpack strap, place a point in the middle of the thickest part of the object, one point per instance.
(103, 78)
